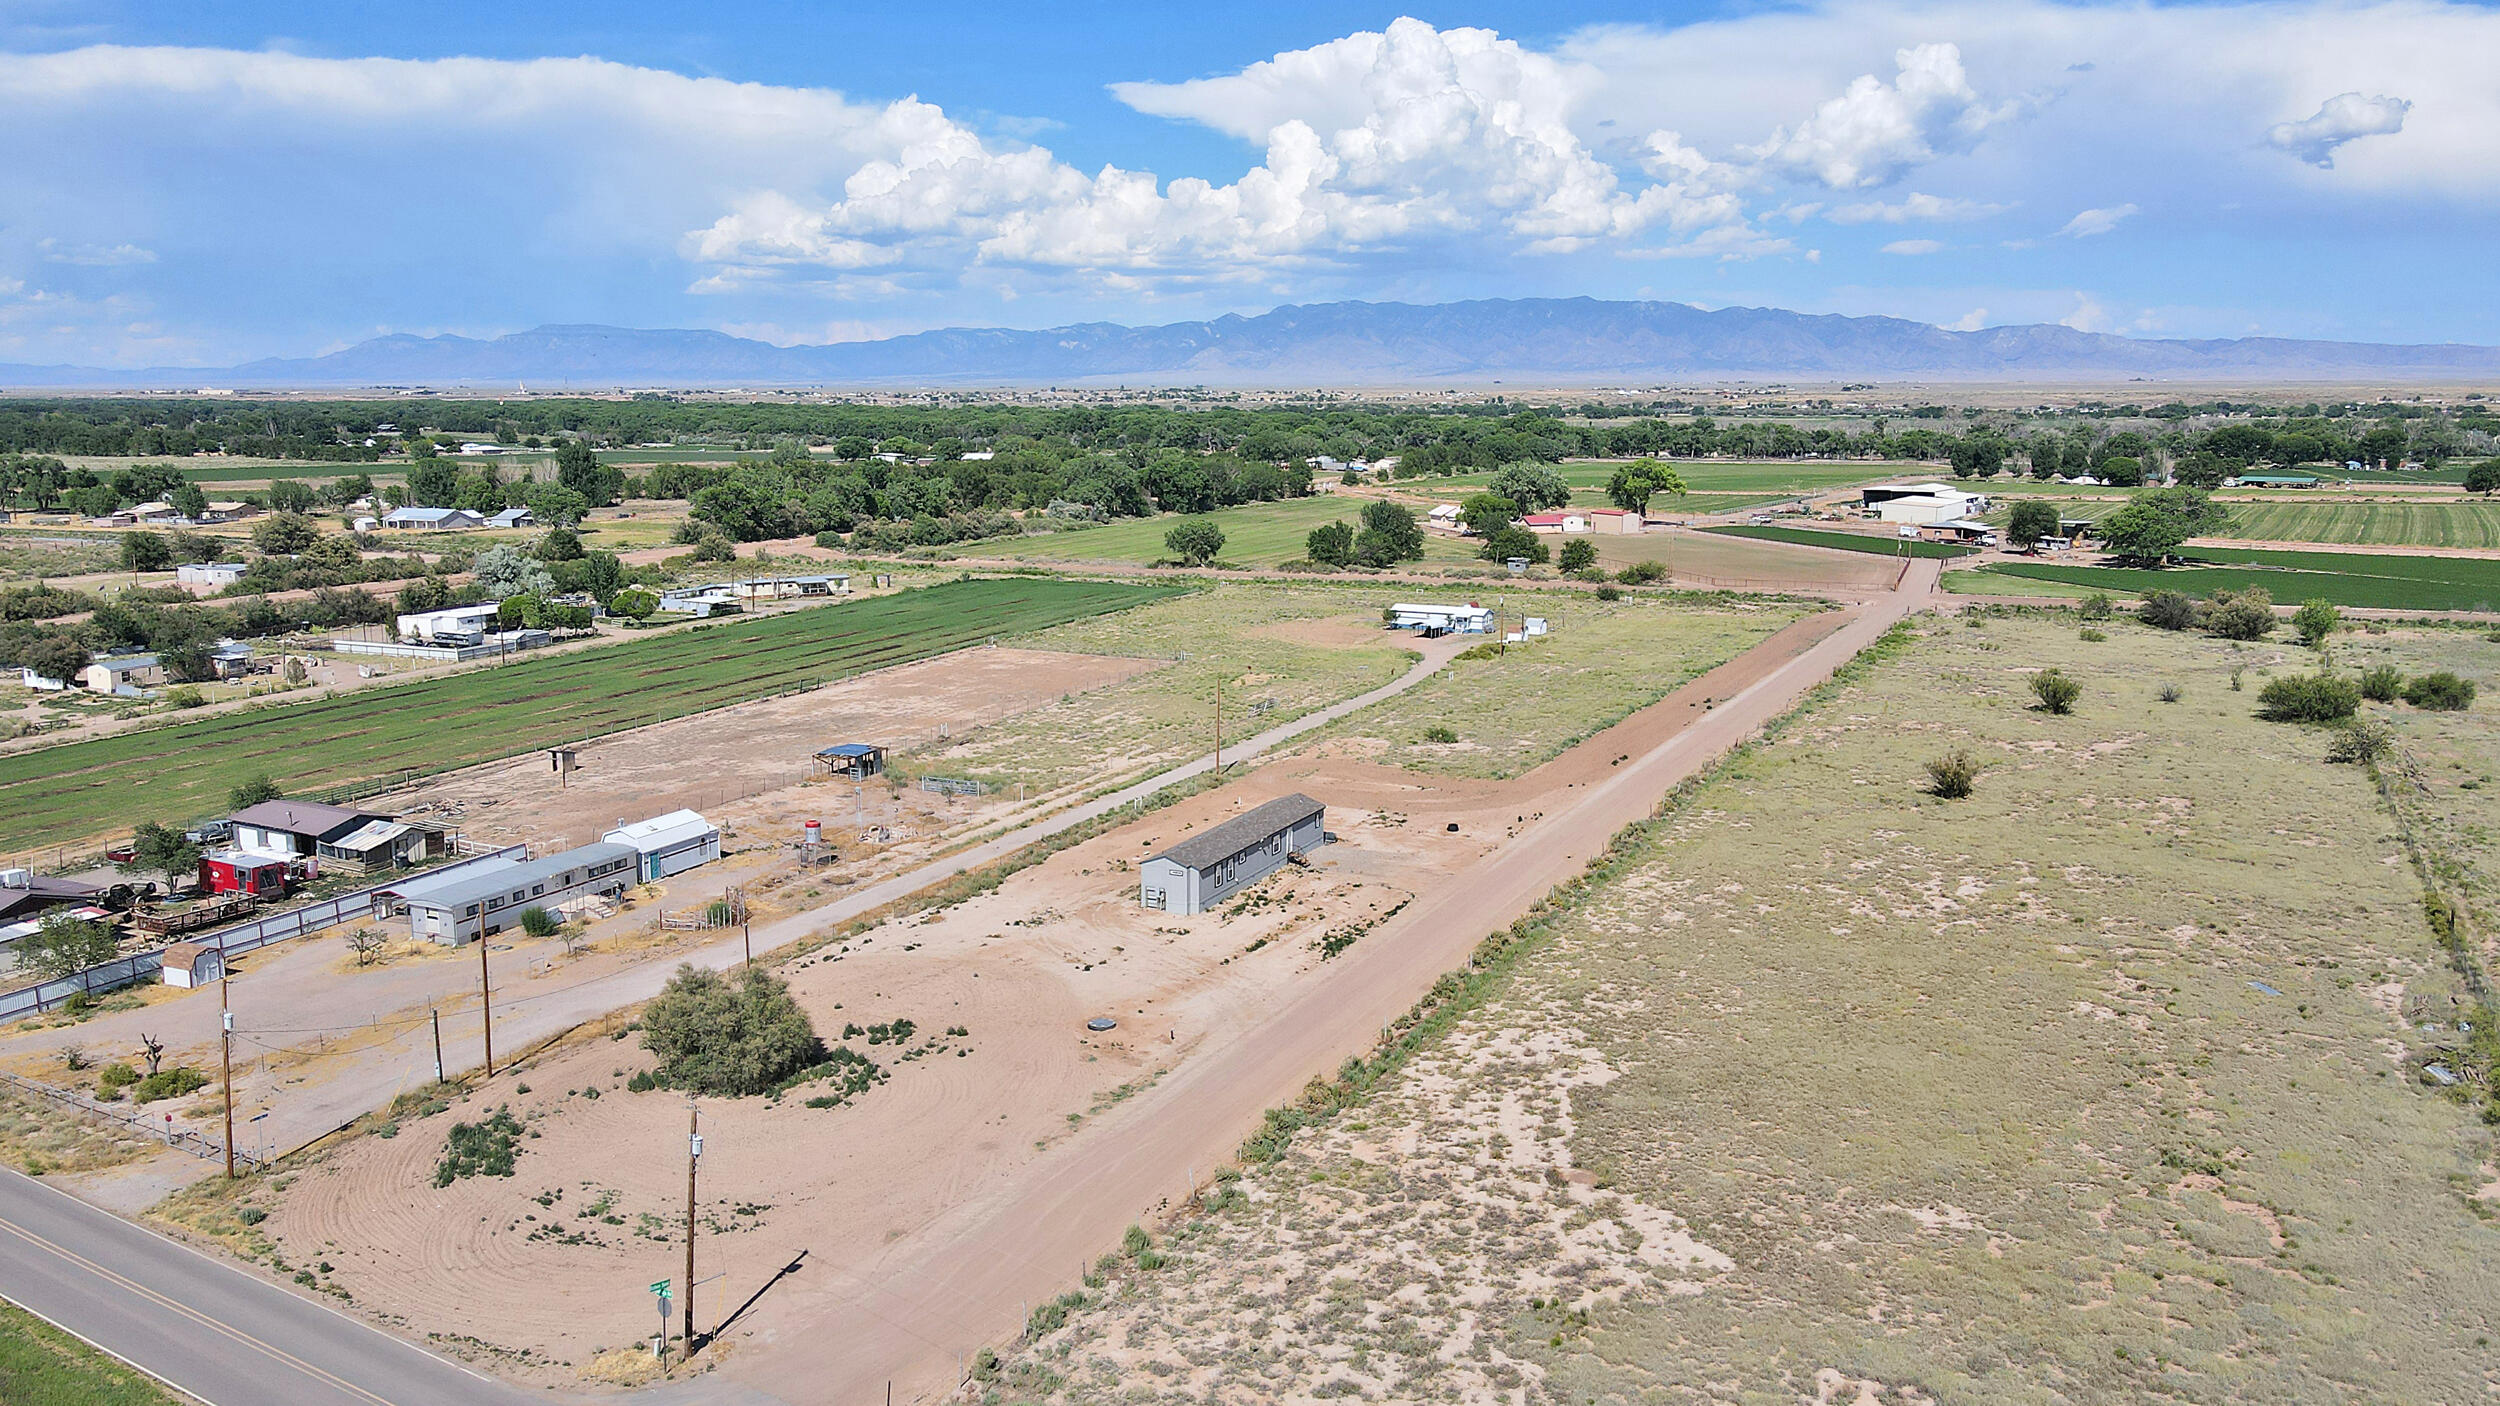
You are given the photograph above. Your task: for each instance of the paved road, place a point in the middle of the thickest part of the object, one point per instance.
(215, 1331)
(914, 1317)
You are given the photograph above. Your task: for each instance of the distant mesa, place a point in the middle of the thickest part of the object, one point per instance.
(1555, 340)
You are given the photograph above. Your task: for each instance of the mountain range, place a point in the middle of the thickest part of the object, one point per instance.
(1554, 340)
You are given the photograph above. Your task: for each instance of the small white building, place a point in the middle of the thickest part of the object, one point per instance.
(40, 684)
(455, 620)
(1205, 869)
(1443, 515)
(216, 575)
(191, 964)
(668, 844)
(513, 517)
(1565, 522)
(365, 523)
(1469, 619)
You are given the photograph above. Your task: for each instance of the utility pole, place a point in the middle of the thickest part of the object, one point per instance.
(225, 1060)
(746, 935)
(694, 1154)
(486, 1005)
(1219, 723)
(438, 1045)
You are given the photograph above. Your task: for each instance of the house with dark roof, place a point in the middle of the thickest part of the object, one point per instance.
(295, 829)
(1208, 868)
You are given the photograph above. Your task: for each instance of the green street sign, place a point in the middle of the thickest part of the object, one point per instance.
(660, 1287)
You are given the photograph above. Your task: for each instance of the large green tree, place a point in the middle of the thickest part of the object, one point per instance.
(2033, 519)
(1634, 485)
(1390, 535)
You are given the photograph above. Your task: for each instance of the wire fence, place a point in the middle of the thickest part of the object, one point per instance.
(191, 1140)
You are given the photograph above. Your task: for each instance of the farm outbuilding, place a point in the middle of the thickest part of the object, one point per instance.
(669, 844)
(474, 905)
(193, 964)
(856, 761)
(1204, 870)
(235, 871)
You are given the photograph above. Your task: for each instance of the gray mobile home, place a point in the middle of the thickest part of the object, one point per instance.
(1203, 870)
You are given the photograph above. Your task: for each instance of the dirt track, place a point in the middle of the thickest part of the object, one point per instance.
(914, 1317)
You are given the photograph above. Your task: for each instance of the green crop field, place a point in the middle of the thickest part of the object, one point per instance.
(1847, 541)
(43, 1366)
(2461, 524)
(1255, 534)
(2374, 580)
(83, 790)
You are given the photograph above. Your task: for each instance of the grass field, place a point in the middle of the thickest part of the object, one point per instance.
(1715, 558)
(1848, 541)
(2376, 580)
(43, 1366)
(1602, 662)
(1255, 534)
(2098, 1087)
(2459, 524)
(2462, 524)
(1282, 650)
(83, 790)
(219, 469)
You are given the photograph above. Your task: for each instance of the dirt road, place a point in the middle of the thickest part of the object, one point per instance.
(915, 1317)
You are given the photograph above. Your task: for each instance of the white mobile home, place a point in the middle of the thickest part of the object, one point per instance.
(1469, 619)
(668, 844)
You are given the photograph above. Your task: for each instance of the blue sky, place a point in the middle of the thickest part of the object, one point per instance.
(187, 184)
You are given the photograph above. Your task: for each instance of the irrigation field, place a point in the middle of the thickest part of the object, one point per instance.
(1255, 534)
(1847, 541)
(83, 790)
(2374, 580)
(2462, 524)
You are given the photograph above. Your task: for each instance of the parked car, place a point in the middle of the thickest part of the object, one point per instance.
(121, 854)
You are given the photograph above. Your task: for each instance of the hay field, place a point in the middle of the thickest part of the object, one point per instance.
(2101, 1086)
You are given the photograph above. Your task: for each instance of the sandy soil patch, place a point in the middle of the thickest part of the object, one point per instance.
(713, 760)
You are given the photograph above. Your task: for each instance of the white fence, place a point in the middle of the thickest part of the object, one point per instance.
(232, 941)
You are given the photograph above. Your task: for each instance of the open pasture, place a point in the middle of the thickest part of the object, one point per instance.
(2101, 1085)
(1883, 546)
(83, 790)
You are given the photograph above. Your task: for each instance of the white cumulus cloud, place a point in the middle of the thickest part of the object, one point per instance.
(1915, 246)
(2338, 120)
(1875, 131)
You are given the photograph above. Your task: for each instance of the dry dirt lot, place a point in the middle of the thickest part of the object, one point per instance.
(997, 987)
(713, 760)
(2103, 1085)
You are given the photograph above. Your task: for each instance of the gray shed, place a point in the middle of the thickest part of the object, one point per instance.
(1205, 869)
